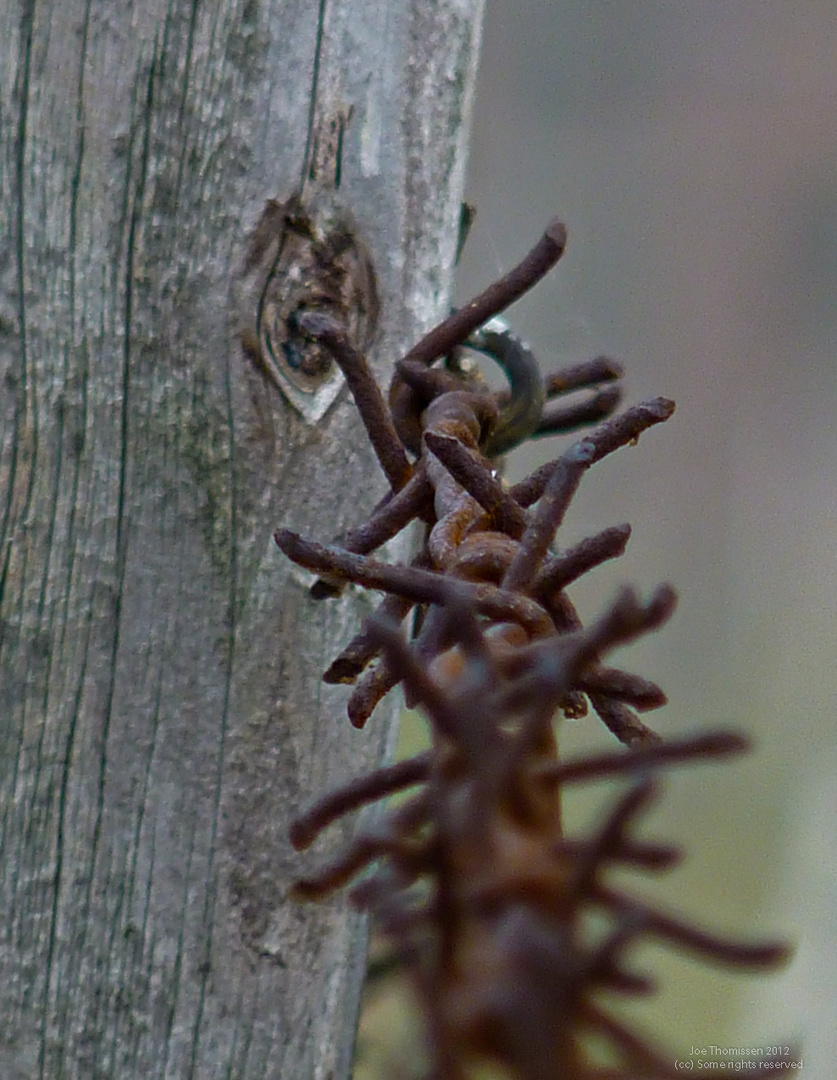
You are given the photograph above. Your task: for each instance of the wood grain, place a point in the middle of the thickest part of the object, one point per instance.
(162, 716)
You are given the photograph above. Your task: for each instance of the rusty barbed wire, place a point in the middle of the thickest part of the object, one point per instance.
(473, 880)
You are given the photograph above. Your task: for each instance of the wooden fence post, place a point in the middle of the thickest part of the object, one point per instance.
(161, 714)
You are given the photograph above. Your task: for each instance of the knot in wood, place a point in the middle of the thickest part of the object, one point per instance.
(307, 257)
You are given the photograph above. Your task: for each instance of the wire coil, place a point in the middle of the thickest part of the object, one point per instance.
(472, 877)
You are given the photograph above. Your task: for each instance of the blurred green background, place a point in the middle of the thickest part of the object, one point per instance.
(692, 150)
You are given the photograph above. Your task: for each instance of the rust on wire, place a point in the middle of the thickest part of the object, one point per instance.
(472, 877)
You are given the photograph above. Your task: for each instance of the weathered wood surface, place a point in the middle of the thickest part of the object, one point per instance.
(162, 714)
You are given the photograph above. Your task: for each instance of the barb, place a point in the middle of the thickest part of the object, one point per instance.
(328, 332)
(610, 436)
(495, 299)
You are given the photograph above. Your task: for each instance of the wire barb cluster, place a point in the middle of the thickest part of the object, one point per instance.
(473, 878)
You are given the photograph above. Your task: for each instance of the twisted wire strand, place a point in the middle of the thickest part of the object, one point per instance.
(472, 877)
